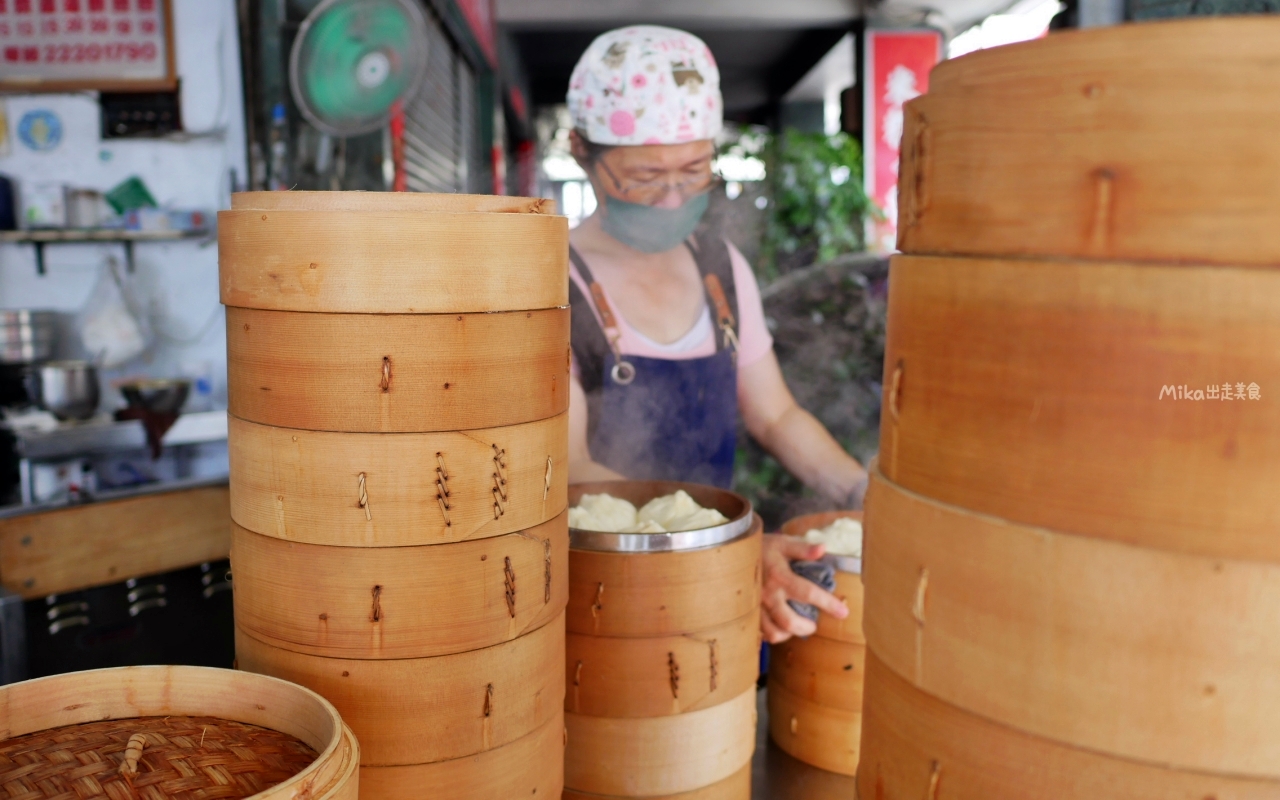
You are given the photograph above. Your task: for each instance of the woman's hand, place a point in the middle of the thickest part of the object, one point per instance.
(777, 621)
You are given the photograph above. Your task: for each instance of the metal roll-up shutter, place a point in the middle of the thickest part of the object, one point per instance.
(432, 145)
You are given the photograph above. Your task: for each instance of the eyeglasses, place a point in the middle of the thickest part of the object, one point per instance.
(688, 183)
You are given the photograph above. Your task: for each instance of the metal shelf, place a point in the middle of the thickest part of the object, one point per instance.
(39, 238)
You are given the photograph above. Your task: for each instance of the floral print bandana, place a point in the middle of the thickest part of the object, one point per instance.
(646, 84)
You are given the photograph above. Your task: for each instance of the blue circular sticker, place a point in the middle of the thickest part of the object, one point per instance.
(40, 129)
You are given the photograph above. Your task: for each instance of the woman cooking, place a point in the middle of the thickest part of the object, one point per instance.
(669, 338)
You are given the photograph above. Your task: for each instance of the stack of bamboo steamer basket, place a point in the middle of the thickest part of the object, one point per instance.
(177, 733)
(815, 684)
(1072, 576)
(662, 654)
(398, 380)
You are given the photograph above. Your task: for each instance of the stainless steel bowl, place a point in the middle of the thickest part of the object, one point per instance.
(161, 396)
(27, 336)
(734, 506)
(68, 389)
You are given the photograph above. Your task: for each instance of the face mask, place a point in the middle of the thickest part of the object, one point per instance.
(650, 229)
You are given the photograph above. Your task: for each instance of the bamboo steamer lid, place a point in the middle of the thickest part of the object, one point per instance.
(399, 602)
(391, 490)
(824, 736)
(916, 746)
(532, 767)
(1032, 391)
(179, 732)
(661, 675)
(1061, 636)
(421, 710)
(647, 757)
(388, 252)
(735, 787)
(848, 584)
(1135, 142)
(397, 373)
(822, 671)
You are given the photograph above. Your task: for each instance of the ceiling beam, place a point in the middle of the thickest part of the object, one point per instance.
(722, 13)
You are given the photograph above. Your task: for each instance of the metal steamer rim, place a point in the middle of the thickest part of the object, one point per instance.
(734, 506)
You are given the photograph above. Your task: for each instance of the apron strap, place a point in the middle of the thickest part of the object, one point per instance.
(711, 253)
(623, 371)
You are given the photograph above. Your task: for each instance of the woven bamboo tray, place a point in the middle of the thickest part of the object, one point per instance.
(414, 711)
(662, 594)
(529, 767)
(388, 253)
(820, 735)
(735, 787)
(1130, 142)
(1063, 636)
(188, 732)
(1032, 391)
(399, 602)
(660, 755)
(653, 677)
(822, 671)
(417, 488)
(397, 373)
(915, 746)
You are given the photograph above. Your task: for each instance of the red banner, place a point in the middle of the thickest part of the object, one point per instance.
(896, 65)
(480, 18)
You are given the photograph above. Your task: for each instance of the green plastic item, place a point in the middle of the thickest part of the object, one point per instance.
(130, 194)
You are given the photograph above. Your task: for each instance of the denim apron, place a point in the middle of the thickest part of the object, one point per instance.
(657, 418)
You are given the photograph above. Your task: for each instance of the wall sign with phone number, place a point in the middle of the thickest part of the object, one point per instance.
(59, 44)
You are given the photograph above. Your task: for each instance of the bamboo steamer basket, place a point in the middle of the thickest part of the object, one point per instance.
(815, 684)
(653, 677)
(1062, 636)
(848, 584)
(158, 702)
(422, 710)
(532, 767)
(1031, 391)
(916, 746)
(367, 490)
(636, 757)
(662, 592)
(823, 736)
(399, 602)
(352, 252)
(1079, 145)
(397, 373)
(822, 671)
(735, 787)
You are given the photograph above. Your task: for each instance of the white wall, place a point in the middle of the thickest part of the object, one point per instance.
(178, 280)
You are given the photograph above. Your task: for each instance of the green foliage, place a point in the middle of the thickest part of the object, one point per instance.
(817, 206)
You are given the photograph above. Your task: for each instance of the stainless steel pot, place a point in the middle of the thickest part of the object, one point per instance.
(734, 506)
(26, 336)
(68, 389)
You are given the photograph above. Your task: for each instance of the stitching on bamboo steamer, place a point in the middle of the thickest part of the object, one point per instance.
(662, 675)
(312, 371)
(499, 482)
(320, 261)
(1063, 655)
(509, 582)
(657, 595)
(644, 757)
(529, 767)
(823, 736)
(1096, 405)
(912, 730)
(429, 600)
(420, 710)
(364, 499)
(297, 484)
